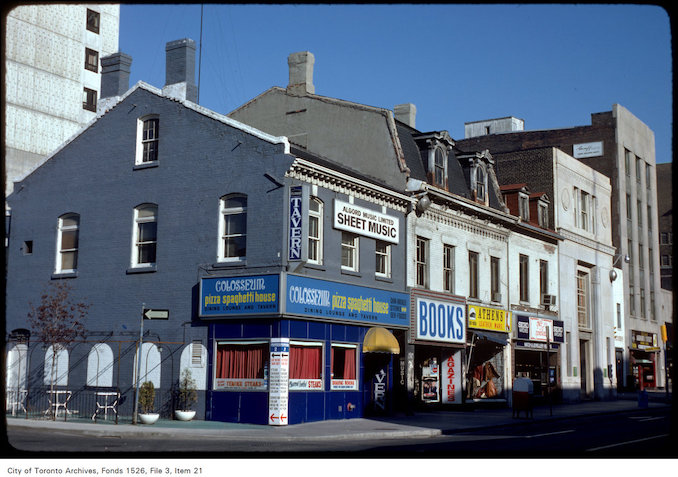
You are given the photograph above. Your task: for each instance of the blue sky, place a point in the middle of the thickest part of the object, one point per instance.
(550, 65)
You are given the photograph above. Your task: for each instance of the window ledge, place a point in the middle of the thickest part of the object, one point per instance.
(134, 270)
(60, 275)
(234, 264)
(145, 165)
(383, 278)
(316, 266)
(352, 273)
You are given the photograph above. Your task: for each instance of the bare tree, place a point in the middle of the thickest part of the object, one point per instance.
(57, 321)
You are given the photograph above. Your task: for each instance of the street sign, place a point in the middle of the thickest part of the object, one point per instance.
(155, 314)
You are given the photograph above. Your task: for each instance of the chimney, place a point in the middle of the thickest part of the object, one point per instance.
(115, 70)
(180, 70)
(406, 113)
(301, 73)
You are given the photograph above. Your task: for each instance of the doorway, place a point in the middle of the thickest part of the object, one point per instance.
(583, 368)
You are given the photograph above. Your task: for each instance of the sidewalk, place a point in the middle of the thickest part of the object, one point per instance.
(422, 424)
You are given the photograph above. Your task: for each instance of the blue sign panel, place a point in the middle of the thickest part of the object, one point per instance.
(339, 301)
(239, 295)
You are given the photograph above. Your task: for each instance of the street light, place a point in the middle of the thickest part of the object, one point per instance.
(613, 273)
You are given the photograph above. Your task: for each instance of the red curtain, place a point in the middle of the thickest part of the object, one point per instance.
(305, 362)
(343, 363)
(241, 361)
(349, 363)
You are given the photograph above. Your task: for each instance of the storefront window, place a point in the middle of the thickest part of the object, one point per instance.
(305, 366)
(344, 367)
(241, 366)
(485, 379)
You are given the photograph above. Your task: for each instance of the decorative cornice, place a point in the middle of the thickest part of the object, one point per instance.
(336, 181)
(467, 224)
(587, 242)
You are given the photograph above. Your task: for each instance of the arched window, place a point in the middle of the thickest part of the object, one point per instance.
(315, 231)
(233, 228)
(100, 366)
(16, 373)
(194, 357)
(440, 167)
(145, 235)
(56, 367)
(480, 184)
(67, 243)
(150, 365)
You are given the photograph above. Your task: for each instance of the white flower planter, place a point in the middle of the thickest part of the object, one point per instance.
(148, 418)
(184, 415)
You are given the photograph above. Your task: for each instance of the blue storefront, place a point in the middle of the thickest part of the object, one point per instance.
(286, 349)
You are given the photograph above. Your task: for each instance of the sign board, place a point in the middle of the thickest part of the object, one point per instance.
(340, 301)
(156, 314)
(643, 340)
(589, 149)
(366, 222)
(296, 227)
(278, 389)
(450, 379)
(439, 320)
(534, 328)
(491, 319)
(234, 296)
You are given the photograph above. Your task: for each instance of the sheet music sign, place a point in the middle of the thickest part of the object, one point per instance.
(278, 390)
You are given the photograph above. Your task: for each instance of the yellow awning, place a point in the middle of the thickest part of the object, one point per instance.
(380, 340)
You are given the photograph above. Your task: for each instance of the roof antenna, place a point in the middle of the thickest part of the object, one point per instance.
(200, 53)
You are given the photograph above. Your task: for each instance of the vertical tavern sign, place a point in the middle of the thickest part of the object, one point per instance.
(297, 236)
(296, 220)
(278, 389)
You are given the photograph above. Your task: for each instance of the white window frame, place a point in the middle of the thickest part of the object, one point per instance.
(315, 243)
(309, 384)
(421, 268)
(61, 251)
(439, 169)
(524, 206)
(524, 278)
(382, 251)
(136, 243)
(140, 158)
(480, 182)
(334, 385)
(449, 267)
(583, 288)
(350, 243)
(226, 211)
(543, 218)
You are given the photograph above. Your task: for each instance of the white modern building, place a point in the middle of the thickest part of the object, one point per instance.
(52, 77)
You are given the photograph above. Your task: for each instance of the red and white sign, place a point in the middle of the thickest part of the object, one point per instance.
(450, 379)
(343, 384)
(234, 384)
(538, 327)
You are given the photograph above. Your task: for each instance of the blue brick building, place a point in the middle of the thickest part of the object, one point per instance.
(271, 263)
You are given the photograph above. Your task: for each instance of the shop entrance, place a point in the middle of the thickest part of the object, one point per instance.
(539, 366)
(644, 370)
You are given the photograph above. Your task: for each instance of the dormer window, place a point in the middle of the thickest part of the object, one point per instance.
(480, 182)
(524, 206)
(439, 167)
(543, 214)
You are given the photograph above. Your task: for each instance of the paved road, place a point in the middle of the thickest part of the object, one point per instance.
(646, 434)
(624, 434)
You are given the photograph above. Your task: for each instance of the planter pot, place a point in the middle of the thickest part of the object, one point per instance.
(148, 418)
(184, 415)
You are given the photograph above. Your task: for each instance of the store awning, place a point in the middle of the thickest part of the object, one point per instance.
(380, 340)
(500, 338)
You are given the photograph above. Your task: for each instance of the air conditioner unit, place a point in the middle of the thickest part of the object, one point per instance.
(496, 297)
(548, 300)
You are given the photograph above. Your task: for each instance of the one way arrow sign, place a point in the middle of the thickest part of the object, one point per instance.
(155, 314)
